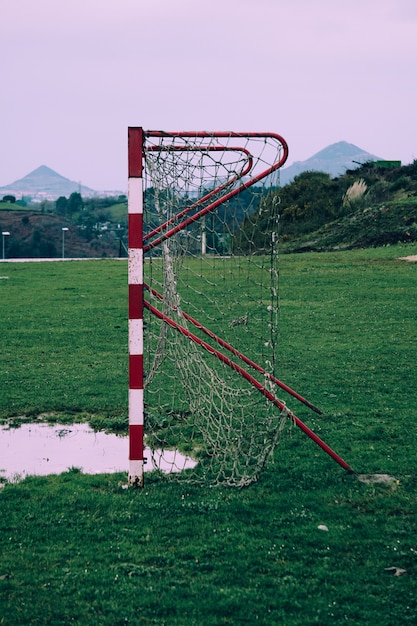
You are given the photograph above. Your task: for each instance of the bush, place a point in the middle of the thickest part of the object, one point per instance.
(9, 198)
(354, 197)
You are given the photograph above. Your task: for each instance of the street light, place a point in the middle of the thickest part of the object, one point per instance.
(64, 230)
(4, 233)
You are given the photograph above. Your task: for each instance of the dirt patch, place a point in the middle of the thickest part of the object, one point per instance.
(377, 478)
(409, 258)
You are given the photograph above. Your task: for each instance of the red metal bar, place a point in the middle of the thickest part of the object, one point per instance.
(201, 134)
(239, 354)
(252, 381)
(135, 151)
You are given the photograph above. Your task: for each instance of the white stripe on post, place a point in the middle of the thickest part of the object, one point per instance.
(135, 266)
(136, 407)
(136, 336)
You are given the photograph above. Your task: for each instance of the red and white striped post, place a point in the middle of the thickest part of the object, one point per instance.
(135, 280)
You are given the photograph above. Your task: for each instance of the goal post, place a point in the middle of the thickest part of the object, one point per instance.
(135, 305)
(203, 305)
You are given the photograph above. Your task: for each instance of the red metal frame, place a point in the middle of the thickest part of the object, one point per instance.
(137, 152)
(230, 194)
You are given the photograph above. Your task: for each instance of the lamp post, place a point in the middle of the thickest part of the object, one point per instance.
(5, 233)
(64, 230)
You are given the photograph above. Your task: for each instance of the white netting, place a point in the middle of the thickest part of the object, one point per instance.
(210, 271)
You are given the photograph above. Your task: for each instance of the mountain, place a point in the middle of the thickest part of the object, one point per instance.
(45, 184)
(334, 160)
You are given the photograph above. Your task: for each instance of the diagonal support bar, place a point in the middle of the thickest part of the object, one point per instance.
(240, 355)
(237, 368)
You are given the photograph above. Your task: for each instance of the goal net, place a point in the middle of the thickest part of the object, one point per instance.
(210, 302)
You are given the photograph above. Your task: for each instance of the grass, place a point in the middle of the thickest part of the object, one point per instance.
(83, 549)
(11, 206)
(118, 212)
(66, 350)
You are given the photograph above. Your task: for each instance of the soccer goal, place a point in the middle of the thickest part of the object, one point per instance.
(203, 305)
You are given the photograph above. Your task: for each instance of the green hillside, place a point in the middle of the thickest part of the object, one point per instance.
(372, 205)
(97, 227)
(388, 223)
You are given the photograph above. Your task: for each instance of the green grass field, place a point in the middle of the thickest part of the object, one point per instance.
(78, 549)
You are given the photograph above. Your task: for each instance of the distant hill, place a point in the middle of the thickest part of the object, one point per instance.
(37, 234)
(45, 183)
(334, 160)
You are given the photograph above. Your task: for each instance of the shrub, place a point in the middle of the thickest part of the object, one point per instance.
(354, 196)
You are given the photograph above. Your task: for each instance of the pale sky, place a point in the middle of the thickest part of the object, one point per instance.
(74, 74)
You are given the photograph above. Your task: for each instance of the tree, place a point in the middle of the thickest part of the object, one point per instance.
(75, 203)
(311, 200)
(9, 198)
(61, 205)
(86, 222)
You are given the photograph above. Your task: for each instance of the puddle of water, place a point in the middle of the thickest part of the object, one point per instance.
(41, 449)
